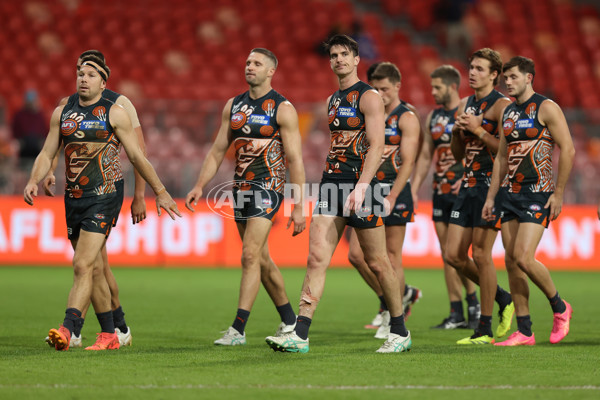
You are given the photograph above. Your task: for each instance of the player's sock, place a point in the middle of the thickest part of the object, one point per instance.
(72, 315)
(241, 318)
(286, 312)
(524, 325)
(119, 319)
(503, 298)
(472, 299)
(456, 308)
(485, 325)
(557, 304)
(302, 326)
(397, 326)
(78, 326)
(106, 322)
(382, 304)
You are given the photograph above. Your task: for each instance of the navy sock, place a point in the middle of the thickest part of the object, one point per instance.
(78, 326)
(286, 312)
(241, 318)
(72, 316)
(524, 325)
(382, 304)
(503, 298)
(485, 325)
(472, 299)
(106, 322)
(302, 326)
(557, 304)
(397, 326)
(119, 319)
(456, 309)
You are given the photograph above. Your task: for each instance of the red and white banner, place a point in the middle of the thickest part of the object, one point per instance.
(37, 236)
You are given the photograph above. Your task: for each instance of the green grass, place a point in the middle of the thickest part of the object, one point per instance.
(176, 314)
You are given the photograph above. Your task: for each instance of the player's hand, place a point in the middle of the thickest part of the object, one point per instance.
(165, 201)
(455, 188)
(355, 198)
(31, 191)
(487, 213)
(138, 209)
(192, 198)
(555, 204)
(415, 197)
(470, 122)
(48, 183)
(389, 202)
(298, 219)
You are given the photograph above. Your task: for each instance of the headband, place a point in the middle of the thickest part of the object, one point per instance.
(99, 69)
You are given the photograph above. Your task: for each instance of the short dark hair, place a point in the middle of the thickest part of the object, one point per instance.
(387, 70)
(98, 61)
(92, 52)
(525, 65)
(493, 57)
(372, 69)
(342, 40)
(448, 74)
(268, 53)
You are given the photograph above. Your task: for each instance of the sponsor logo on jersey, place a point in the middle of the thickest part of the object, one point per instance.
(98, 125)
(391, 131)
(524, 123)
(508, 126)
(259, 119)
(346, 112)
(448, 128)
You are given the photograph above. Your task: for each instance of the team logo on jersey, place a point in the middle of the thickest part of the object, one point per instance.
(100, 112)
(508, 126)
(269, 107)
(449, 128)
(352, 98)
(331, 115)
(483, 106)
(535, 207)
(68, 126)
(530, 110)
(238, 120)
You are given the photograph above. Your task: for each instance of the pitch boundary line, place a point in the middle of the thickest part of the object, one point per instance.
(318, 387)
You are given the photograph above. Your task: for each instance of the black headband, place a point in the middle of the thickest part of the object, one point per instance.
(99, 70)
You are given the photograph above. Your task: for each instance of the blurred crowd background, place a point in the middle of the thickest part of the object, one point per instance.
(180, 60)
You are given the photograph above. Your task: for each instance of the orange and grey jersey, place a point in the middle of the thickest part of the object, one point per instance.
(479, 160)
(529, 147)
(257, 141)
(91, 149)
(349, 144)
(391, 159)
(447, 169)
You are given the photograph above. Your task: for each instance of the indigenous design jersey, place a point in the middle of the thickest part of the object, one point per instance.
(349, 143)
(479, 160)
(447, 170)
(391, 159)
(258, 147)
(91, 149)
(529, 148)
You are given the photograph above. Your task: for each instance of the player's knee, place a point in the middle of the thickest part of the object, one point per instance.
(378, 263)
(453, 258)
(250, 257)
(81, 267)
(480, 256)
(315, 262)
(524, 262)
(355, 258)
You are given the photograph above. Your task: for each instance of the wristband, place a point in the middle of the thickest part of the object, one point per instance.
(480, 132)
(161, 191)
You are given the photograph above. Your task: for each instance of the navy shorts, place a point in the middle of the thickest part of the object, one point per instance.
(526, 207)
(255, 202)
(403, 211)
(469, 205)
(93, 214)
(332, 197)
(442, 207)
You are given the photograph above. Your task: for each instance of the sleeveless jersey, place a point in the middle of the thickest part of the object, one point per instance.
(391, 159)
(529, 148)
(258, 146)
(91, 149)
(479, 160)
(447, 169)
(106, 93)
(349, 143)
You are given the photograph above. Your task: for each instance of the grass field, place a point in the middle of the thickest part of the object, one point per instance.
(175, 315)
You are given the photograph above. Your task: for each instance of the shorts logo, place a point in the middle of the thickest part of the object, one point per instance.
(99, 216)
(437, 212)
(267, 202)
(365, 210)
(102, 225)
(401, 206)
(455, 214)
(535, 207)
(70, 231)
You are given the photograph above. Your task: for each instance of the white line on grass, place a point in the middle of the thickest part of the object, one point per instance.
(320, 387)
